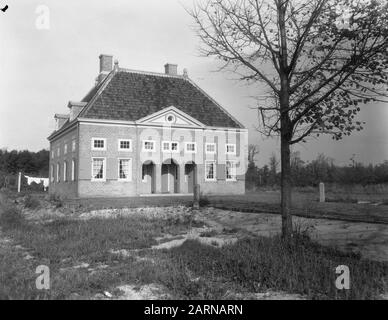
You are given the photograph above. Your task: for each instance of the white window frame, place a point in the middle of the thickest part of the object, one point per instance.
(211, 144)
(130, 169)
(103, 171)
(73, 145)
(169, 150)
(64, 171)
(65, 148)
(191, 151)
(98, 149)
(230, 144)
(72, 169)
(177, 148)
(214, 170)
(58, 175)
(52, 154)
(169, 146)
(58, 151)
(233, 167)
(124, 149)
(149, 150)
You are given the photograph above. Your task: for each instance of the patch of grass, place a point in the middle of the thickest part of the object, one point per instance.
(31, 202)
(10, 215)
(301, 266)
(208, 234)
(204, 201)
(56, 200)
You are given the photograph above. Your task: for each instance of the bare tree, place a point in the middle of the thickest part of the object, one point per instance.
(317, 59)
(253, 150)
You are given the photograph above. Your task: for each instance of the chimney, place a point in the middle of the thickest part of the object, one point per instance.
(106, 66)
(171, 69)
(75, 109)
(60, 120)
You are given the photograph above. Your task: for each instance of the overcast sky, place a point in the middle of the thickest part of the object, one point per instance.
(41, 70)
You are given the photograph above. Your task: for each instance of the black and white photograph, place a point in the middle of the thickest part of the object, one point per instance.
(194, 155)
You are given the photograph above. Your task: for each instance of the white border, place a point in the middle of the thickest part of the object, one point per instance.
(148, 150)
(190, 151)
(104, 170)
(211, 152)
(98, 149)
(130, 169)
(226, 148)
(234, 162)
(124, 150)
(214, 170)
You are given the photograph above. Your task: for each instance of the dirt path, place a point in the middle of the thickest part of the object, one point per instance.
(370, 239)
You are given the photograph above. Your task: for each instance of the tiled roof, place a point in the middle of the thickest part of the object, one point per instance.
(131, 95)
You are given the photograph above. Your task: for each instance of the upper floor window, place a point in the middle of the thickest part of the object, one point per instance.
(170, 146)
(52, 154)
(210, 148)
(230, 169)
(210, 170)
(125, 169)
(58, 151)
(98, 169)
(65, 148)
(191, 147)
(98, 144)
(148, 145)
(230, 148)
(73, 145)
(125, 145)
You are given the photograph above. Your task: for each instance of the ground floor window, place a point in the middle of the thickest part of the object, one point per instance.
(52, 174)
(125, 166)
(210, 170)
(58, 172)
(230, 170)
(98, 169)
(72, 170)
(65, 171)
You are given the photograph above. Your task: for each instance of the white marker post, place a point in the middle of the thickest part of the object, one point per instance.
(197, 196)
(321, 192)
(19, 181)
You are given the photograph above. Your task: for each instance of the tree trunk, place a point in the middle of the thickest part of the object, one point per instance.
(286, 129)
(285, 186)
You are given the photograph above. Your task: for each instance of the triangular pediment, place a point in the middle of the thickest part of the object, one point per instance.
(170, 116)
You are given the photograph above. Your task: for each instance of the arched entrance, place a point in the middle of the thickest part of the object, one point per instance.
(148, 177)
(170, 176)
(190, 175)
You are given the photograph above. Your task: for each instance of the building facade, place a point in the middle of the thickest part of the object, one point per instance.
(141, 133)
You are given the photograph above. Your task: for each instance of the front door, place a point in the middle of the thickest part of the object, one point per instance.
(169, 178)
(190, 174)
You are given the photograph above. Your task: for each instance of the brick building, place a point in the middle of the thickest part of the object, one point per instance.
(140, 133)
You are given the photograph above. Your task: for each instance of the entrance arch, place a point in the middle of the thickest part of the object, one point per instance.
(148, 177)
(191, 175)
(170, 176)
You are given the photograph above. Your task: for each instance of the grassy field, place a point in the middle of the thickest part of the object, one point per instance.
(83, 263)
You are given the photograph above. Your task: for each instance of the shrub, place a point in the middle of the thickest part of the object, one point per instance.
(10, 215)
(56, 200)
(203, 201)
(31, 202)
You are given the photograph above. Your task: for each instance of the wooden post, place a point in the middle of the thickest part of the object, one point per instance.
(321, 192)
(19, 181)
(196, 196)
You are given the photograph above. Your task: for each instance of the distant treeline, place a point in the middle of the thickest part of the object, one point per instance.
(27, 162)
(322, 169)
